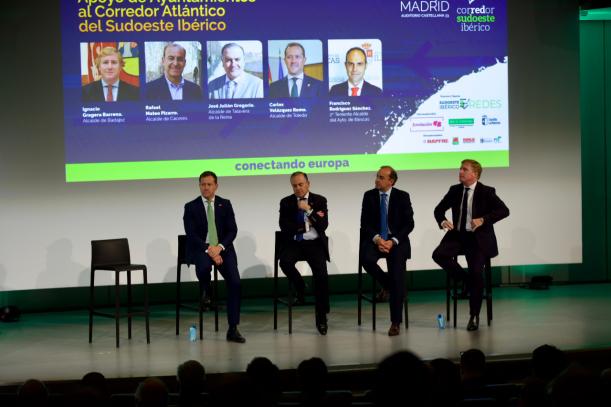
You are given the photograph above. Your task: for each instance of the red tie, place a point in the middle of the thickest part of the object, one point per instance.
(355, 91)
(109, 97)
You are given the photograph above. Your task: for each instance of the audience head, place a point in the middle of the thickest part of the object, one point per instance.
(548, 361)
(402, 378)
(445, 376)
(312, 376)
(575, 386)
(472, 364)
(264, 381)
(152, 392)
(191, 377)
(32, 393)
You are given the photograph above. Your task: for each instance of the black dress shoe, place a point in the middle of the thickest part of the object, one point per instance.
(322, 328)
(233, 335)
(473, 324)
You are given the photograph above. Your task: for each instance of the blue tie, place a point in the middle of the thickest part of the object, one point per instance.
(383, 216)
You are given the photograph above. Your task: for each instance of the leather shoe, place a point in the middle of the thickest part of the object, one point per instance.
(382, 296)
(473, 324)
(233, 335)
(322, 328)
(394, 330)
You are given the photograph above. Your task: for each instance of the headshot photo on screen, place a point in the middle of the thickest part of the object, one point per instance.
(295, 68)
(235, 69)
(110, 71)
(173, 70)
(355, 67)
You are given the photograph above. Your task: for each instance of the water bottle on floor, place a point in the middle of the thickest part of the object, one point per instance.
(193, 333)
(441, 321)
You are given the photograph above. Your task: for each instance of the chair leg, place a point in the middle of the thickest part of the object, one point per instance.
(455, 299)
(178, 267)
(290, 306)
(488, 276)
(448, 296)
(91, 304)
(215, 303)
(360, 294)
(129, 304)
(117, 307)
(275, 294)
(405, 310)
(146, 306)
(200, 311)
(373, 304)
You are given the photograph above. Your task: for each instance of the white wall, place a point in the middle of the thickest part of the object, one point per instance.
(46, 225)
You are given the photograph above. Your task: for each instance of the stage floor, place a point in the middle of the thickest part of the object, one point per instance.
(53, 346)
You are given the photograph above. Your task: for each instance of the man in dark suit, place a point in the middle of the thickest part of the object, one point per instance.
(296, 83)
(172, 85)
(356, 64)
(109, 88)
(387, 219)
(208, 246)
(303, 221)
(475, 209)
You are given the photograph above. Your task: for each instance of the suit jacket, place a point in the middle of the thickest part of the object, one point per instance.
(158, 90)
(309, 88)
(400, 217)
(341, 89)
(249, 87)
(288, 218)
(94, 92)
(196, 226)
(486, 204)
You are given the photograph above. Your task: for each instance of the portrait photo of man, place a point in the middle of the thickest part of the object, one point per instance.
(236, 70)
(297, 75)
(104, 75)
(361, 59)
(175, 61)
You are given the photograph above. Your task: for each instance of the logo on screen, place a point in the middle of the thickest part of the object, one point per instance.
(425, 9)
(489, 121)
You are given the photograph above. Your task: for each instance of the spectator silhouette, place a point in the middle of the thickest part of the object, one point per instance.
(446, 382)
(263, 382)
(152, 392)
(32, 393)
(473, 373)
(191, 377)
(312, 378)
(402, 379)
(575, 386)
(548, 362)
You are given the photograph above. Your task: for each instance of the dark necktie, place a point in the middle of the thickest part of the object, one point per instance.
(294, 90)
(109, 97)
(463, 210)
(300, 222)
(383, 216)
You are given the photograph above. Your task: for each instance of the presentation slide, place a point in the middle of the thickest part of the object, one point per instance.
(158, 89)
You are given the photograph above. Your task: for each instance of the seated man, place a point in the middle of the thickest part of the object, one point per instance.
(211, 229)
(387, 219)
(303, 221)
(475, 209)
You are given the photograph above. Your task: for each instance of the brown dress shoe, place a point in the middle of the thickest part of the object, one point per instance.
(394, 330)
